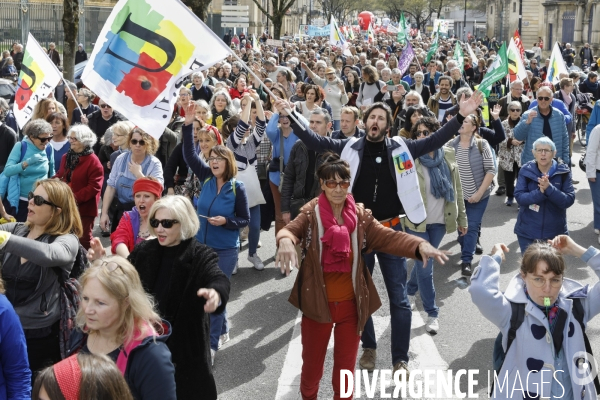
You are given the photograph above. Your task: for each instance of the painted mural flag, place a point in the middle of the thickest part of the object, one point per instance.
(516, 68)
(401, 38)
(497, 71)
(433, 48)
(519, 44)
(37, 79)
(143, 53)
(459, 56)
(336, 37)
(406, 58)
(557, 65)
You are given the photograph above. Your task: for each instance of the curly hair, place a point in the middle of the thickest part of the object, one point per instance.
(151, 143)
(431, 123)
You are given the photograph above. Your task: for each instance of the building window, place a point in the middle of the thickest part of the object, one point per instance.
(514, 7)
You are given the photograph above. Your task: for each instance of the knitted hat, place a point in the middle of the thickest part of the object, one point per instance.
(147, 185)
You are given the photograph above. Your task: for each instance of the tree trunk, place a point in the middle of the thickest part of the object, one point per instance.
(199, 7)
(70, 23)
(277, 23)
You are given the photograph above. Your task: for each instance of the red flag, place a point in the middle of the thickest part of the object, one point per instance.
(519, 44)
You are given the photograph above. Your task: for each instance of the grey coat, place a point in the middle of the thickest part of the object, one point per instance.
(531, 347)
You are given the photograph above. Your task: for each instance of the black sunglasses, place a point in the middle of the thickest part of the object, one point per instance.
(39, 200)
(424, 133)
(135, 142)
(166, 223)
(514, 110)
(544, 98)
(45, 139)
(105, 106)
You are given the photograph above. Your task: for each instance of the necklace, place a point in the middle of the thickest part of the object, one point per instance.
(377, 163)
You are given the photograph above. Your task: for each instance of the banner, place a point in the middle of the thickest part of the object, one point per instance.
(519, 44)
(37, 79)
(516, 68)
(401, 38)
(497, 71)
(557, 65)
(433, 48)
(336, 37)
(318, 31)
(406, 58)
(440, 25)
(459, 56)
(142, 55)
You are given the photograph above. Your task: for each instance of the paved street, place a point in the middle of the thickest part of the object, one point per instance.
(263, 358)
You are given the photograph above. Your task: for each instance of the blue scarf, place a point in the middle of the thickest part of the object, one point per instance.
(590, 85)
(439, 175)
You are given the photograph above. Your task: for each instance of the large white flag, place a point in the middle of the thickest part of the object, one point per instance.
(143, 53)
(557, 65)
(516, 68)
(37, 80)
(336, 37)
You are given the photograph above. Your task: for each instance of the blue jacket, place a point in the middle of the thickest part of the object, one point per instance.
(229, 202)
(550, 219)
(593, 121)
(557, 103)
(530, 133)
(15, 375)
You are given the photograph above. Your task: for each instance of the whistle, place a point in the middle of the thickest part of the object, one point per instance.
(546, 301)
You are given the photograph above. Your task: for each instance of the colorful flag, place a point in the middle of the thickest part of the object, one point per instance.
(401, 38)
(557, 65)
(406, 58)
(37, 80)
(459, 56)
(497, 71)
(336, 37)
(256, 42)
(519, 44)
(143, 53)
(516, 68)
(472, 55)
(350, 33)
(370, 34)
(434, 46)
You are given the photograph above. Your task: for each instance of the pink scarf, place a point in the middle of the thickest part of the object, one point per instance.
(566, 98)
(336, 239)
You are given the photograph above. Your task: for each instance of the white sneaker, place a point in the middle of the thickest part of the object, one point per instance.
(259, 244)
(224, 338)
(235, 269)
(212, 357)
(597, 231)
(432, 326)
(411, 300)
(256, 261)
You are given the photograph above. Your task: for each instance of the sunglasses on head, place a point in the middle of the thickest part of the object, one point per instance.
(45, 139)
(135, 142)
(544, 98)
(331, 184)
(166, 223)
(39, 200)
(105, 106)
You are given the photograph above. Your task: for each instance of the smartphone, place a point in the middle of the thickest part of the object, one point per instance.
(391, 88)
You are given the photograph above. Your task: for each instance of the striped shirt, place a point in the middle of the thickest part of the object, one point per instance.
(464, 168)
(245, 150)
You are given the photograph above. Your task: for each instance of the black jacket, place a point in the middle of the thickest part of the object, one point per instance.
(493, 136)
(8, 139)
(80, 56)
(196, 267)
(93, 119)
(176, 165)
(18, 60)
(339, 135)
(149, 372)
(425, 92)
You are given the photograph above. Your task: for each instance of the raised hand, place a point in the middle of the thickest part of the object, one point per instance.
(190, 112)
(565, 245)
(471, 105)
(96, 250)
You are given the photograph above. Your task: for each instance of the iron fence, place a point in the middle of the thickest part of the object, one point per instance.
(44, 21)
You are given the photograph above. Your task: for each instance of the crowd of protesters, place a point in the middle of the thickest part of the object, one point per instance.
(350, 153)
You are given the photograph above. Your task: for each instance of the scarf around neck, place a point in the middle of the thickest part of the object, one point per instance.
(336, 239)
(439, 175)
(73, 160)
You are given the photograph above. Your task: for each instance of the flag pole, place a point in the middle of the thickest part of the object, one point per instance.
(266, 88)
(72, 95)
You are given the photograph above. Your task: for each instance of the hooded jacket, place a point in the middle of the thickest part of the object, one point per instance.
(543, 215)
(531, 132)
(532, 348)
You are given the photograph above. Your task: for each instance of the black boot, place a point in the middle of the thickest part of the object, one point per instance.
(478, 248)
(500, 191)
(466, 269)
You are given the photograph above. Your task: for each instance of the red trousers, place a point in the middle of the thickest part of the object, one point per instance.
(315, 337)
(88, 227)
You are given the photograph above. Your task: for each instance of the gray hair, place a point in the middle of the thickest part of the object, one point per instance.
(84, 135)
(197, 75)
(419, 73)
(4, 107)
(544, 140)
(386, 69)
(108, 136)
(182, 210)
(87, 93)
(72, 86)
(325, 114)
(518, 81)
(229, 107)
(37, 127)
(515, 103)
(464, 91)
(545, 88)
(417, 94)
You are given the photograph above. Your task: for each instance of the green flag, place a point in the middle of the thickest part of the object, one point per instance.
(497, 71)
(401, 38)
(459, 56)
(434, 46)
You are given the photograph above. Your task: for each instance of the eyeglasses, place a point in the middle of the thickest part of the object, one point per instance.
(217, 159)
(543, 98)
(543, 151)
(73, 139)
(39, 200)
(331, 184)
(183, 94)
(45, 139)
(541, 282)
(519, 89)
(140, 142)
(514, 110)
(111, 266)
(423, 133)
(166, 223)
(104, 106)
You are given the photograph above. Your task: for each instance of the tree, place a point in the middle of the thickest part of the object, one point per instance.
(199, 7)
(70, 22)
(276, 13)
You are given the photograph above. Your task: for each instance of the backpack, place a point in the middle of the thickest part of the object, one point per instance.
(516, 319)
(70, 298)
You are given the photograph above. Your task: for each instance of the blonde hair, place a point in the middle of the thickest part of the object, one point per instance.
(182, 210)
(122, 128)
(151, 142)
(41, 109)
(67, 220)
(136, 307)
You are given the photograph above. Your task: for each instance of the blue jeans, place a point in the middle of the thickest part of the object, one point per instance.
(469, 240)
(254, 230)
(421, 278)
(393, 269)
(218, 322)
(336, 124)
(524, 243)
(595, 189)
